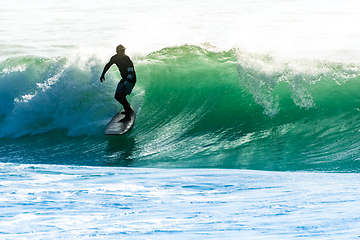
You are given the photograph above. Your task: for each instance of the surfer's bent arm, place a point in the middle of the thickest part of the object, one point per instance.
(131, 74)
(106, 68)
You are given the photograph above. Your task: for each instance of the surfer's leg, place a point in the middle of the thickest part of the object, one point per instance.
(118, 91)
(120, 95)
(121, 98)
(124, 102)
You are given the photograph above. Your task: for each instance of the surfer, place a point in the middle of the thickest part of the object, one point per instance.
(128, 78)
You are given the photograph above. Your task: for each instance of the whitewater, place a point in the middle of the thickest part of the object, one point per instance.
(247, 120)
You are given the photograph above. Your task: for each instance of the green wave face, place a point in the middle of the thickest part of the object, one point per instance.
(195, 108)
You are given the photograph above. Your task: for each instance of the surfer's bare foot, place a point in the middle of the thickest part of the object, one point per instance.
(125, 119)
(124, 112)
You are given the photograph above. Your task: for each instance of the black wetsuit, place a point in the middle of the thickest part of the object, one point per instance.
(127, 72)
(126, 68)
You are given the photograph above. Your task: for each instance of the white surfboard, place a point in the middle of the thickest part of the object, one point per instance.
(118, 127)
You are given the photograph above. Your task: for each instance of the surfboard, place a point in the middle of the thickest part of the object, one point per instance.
(118, 127)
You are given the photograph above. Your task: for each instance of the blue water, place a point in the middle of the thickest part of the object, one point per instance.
(138, 203)
(247, 120)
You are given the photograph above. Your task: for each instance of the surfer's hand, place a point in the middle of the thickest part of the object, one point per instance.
(102, 78)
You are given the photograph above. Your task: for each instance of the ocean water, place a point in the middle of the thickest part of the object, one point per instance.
(247, 120)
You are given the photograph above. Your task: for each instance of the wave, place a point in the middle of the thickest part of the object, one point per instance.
(196, 107)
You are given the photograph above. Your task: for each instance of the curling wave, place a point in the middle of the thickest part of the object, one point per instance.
(196, 107)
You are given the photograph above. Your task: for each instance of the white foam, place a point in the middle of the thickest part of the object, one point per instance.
(54, 202)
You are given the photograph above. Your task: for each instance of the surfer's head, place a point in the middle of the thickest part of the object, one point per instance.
(120, 50)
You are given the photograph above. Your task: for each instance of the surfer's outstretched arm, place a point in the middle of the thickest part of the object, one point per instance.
(106, 68)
